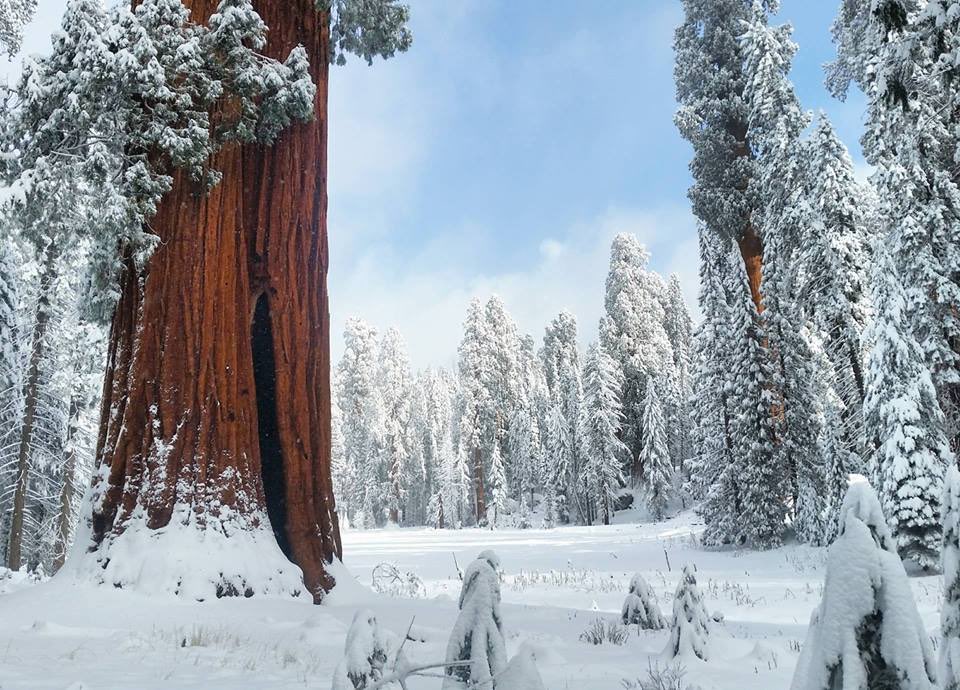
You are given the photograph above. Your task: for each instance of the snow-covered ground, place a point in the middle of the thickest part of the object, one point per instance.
(61, 635)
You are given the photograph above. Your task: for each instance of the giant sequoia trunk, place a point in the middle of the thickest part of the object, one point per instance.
(216, 406)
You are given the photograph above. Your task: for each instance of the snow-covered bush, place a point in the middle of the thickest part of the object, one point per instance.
(391, 580)
(690, 632)
(601, 631)
(866, 633)
(660, 678)
(640, 607)
(477, 636)
(368, 654)
(950, 562)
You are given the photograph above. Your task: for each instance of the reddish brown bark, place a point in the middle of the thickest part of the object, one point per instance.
(751, 249)
(181, 361)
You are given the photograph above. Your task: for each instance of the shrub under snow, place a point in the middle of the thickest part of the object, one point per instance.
(691, 625)
(866, 634)
(477, 636)
(367, 654)
(640, 607)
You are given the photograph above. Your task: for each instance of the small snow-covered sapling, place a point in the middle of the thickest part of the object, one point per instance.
(690, 632)
(366, 654)
(477, 636)
(640, 607)
(866, 633)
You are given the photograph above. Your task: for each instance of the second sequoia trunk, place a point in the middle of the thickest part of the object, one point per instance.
(216, 409)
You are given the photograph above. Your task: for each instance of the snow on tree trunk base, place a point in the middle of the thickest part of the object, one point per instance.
(187, 560)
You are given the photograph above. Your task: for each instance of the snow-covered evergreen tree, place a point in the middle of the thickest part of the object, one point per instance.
(634, 332)
(561, 365)
(477, 635)
(477, 416)
(498, 488)
(601, 420)
(713, 471)
(762, 482)
(557, 462)
(362, 426)
(690, 631)
(14, 14)
(903, 421)
(901, 57)
(679, 328)
(833, 269)
(640, 607)
(403, 464)
(866, 633)
(949, 674)
(526, 434)
(654, 454)
(370, 653)
(776, 122)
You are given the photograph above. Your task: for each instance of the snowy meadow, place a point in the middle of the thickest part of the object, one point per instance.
(555, 585)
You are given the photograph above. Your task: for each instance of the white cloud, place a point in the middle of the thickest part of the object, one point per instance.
(427, 299)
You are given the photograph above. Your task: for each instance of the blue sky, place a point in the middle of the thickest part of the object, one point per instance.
(504, 151)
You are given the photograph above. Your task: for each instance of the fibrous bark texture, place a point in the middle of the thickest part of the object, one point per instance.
(184, 421)
(751, 249)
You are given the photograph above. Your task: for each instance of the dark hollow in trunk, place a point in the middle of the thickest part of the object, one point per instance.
(271, 452)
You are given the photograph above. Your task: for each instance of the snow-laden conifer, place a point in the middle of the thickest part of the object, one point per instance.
(903, 421)
(563, 375)
(477, 635)
(498, 488)
(690, 631)
(370, 653)
(679, 328)
(900, 53)
(640, 607)
(601, 420)
(14, 15)
(634, 332)
(395, 393)
(654, 455)
(761, 481)
(362, 425)
(866, 633)
(949, 674)
(713, 444)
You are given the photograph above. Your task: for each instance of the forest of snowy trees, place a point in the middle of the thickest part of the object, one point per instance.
(829, 337)
(829, 342)
(521, 434)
